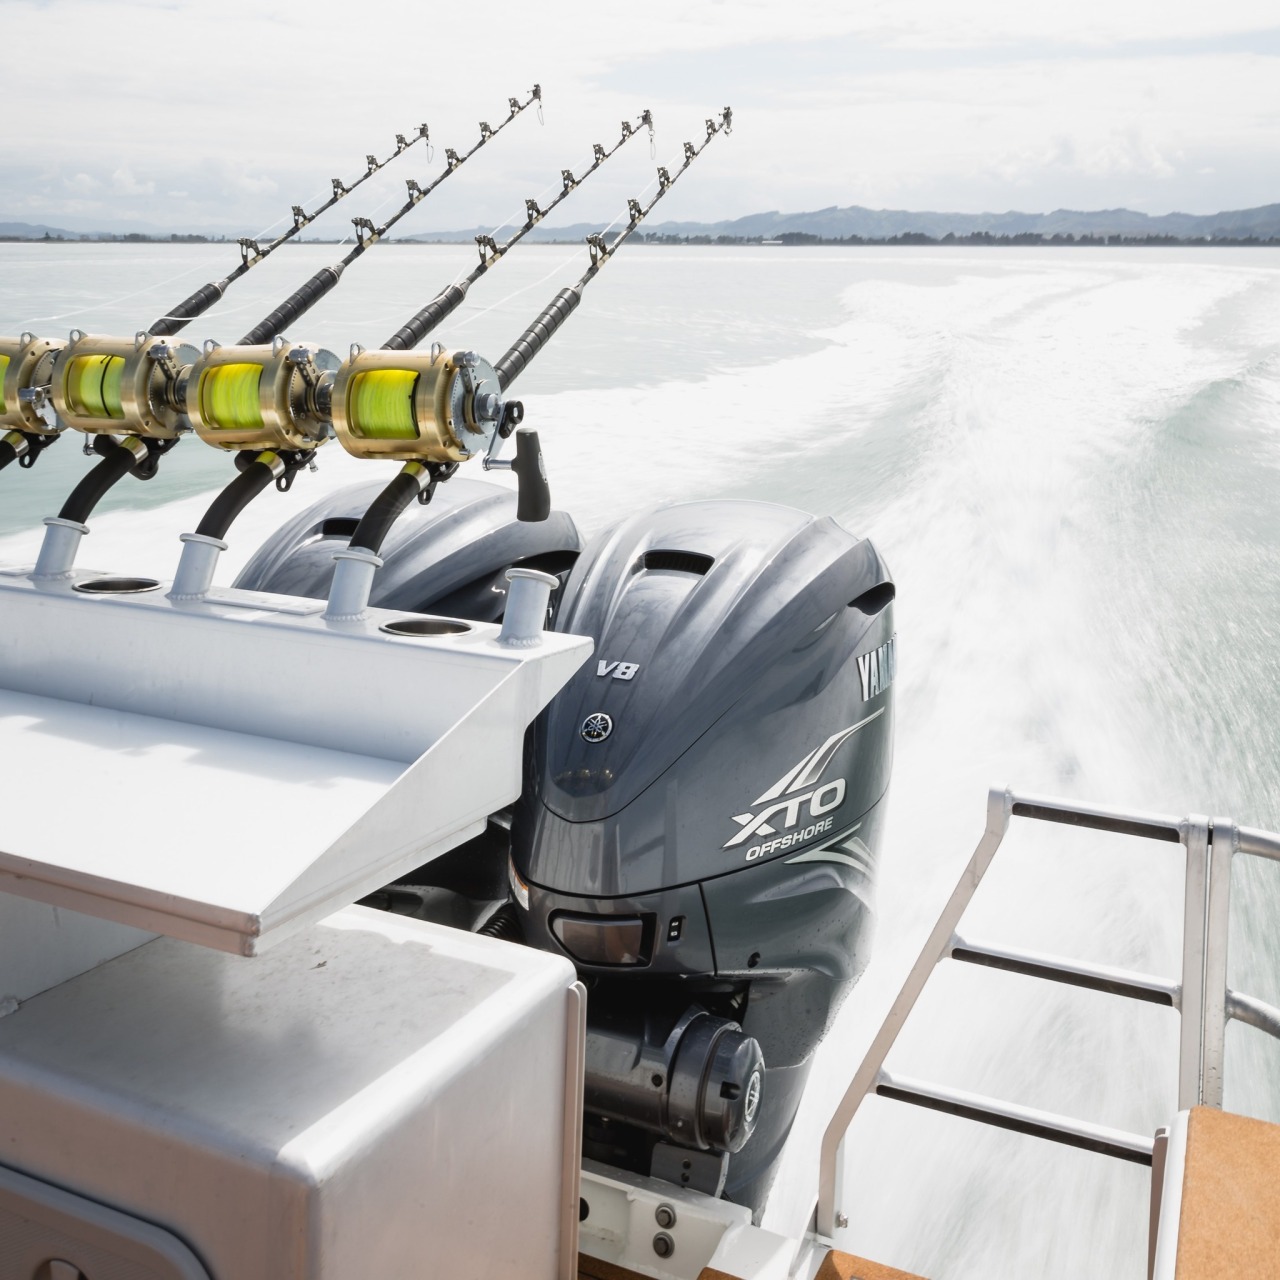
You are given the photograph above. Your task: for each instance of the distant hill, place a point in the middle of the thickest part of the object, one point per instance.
(852, 221)
(35, 231)
(838, 223)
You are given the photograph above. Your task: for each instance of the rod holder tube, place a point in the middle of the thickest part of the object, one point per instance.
(537, 335)
(195, 570)
(352, 583)
(58, 551)
(526, 613)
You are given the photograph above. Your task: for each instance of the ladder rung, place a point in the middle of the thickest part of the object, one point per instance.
(1007, 1115)
(1073, 973)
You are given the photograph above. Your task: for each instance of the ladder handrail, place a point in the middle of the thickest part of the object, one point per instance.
(1202, 997)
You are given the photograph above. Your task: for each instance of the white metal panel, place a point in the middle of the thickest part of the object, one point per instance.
(344, 686)
(41, 946)
(226, 774)
(374, 1097)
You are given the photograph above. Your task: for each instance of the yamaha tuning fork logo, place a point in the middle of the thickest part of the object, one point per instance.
(597, 727)
(797, 797)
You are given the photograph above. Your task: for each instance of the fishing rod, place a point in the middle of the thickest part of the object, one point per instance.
(437, 411)
(491, 253)
(367, 235)
(26, 365)
(563, 305)
(252, 253)
(101, 385)
(226, 402)
(431, 411)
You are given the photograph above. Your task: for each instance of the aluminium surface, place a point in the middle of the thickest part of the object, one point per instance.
(376, 1096)
(237, 767)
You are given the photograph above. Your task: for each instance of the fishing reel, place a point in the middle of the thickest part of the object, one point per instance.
(442, 407)
(122, 385)
(26, 370)
(266, 397)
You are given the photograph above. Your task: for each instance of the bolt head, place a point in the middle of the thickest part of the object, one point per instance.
(663, 1245)
(842, 1220)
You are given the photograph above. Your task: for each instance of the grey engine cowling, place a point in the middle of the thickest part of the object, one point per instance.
(702, 808)
(702, 803)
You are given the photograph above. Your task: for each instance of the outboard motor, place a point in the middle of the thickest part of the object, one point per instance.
(702, 803)
(448, 558)
(699, 823)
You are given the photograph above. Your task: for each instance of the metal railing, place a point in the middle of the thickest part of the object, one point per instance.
(1202, 997)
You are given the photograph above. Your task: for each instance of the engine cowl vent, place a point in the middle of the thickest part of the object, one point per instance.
(681, 561)
(872, 601)
(339, 527)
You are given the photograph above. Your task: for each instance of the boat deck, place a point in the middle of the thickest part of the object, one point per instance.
(836, 1266)
(1229, 1224)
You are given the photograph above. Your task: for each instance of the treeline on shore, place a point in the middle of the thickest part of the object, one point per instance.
(972, 238)
(785, 238)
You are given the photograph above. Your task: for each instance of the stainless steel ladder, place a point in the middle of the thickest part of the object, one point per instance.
(1202, 997)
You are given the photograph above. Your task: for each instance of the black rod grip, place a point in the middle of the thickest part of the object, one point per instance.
(297, 304)
(413, 331)
(234, 498)
(188, 309)
(533, 501)
(117, 462)
(384, 511)
(537, 335)
(7, 454)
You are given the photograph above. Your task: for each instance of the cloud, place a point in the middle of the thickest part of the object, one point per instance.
(82, 183)
(905, 101)
(123, 183)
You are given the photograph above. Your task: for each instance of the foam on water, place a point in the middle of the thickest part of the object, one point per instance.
(1069, 459)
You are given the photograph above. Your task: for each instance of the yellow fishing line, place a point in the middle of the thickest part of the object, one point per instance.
(229, 397)
(380, 404)
(4, 373)
(93, 386)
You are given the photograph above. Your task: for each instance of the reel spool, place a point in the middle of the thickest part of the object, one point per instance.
(26, 365)
(105, 385)
(438, 407)
(265, 397)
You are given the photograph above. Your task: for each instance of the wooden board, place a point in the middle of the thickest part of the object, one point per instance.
(1229, 1225)
(844, 1266)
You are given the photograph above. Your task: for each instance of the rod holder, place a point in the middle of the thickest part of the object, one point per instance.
(526, 612)
(58, 551)
(195, 570)
(352, 582)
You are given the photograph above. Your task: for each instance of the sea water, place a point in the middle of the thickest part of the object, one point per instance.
(1070, 459)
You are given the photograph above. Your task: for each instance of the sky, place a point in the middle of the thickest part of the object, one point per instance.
(168, 115)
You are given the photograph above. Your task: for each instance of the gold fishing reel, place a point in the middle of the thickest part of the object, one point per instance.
(122, 385)
(436, 407)
(26, 370)
(264, 397)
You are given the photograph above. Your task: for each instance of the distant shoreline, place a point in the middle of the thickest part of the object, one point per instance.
(793, 239)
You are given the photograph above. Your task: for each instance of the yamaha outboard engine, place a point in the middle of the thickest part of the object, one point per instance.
(702, 803)
(699, 823)
(448, 558)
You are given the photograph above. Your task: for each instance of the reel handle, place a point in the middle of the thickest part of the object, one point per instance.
(533, 502)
